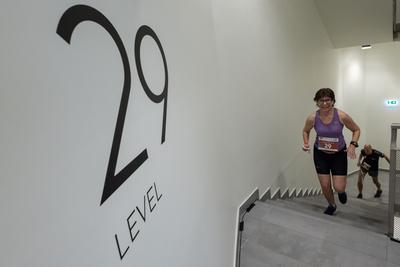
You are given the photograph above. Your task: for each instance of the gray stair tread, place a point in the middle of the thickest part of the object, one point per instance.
(356, 213)
(284, 236)
(276, 246)
(321, 227)
(295, 232)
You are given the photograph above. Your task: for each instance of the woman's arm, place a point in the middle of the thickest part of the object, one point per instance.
(352, 126)
(309, 124)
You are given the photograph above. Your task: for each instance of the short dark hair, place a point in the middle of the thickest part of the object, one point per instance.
(323, 92)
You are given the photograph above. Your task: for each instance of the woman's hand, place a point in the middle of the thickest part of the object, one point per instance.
(351, 152)
(306, 147)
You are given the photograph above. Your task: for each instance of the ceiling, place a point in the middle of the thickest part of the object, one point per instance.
(357, 22)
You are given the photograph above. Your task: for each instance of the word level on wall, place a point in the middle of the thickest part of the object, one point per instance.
(140, 212)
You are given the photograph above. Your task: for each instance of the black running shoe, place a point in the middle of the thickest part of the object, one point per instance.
(378, 193)
(342, 197)
(359, 195)
(330, 210)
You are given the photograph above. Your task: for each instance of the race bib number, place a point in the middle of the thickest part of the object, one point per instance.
(328, 144)
(365, 166)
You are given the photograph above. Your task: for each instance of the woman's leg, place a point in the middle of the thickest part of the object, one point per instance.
(339, 175)
(321, 162)
(339, 183)
(326, 186)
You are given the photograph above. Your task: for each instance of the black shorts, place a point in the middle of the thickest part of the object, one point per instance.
(371, 172)
(335, 163)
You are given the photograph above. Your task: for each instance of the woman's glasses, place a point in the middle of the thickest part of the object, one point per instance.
(324, 101)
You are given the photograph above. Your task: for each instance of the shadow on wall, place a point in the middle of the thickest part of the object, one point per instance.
(298, 171)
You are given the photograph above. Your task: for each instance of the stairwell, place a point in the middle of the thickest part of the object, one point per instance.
(295, 232)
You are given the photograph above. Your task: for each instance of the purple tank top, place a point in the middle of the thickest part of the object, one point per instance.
(329, 136)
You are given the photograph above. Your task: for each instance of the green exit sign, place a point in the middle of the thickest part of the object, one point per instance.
(392, 102)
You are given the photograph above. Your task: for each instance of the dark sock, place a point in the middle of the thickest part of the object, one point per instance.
(342, 197)
(359, 195)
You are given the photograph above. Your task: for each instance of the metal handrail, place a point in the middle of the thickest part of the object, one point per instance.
(392, 230)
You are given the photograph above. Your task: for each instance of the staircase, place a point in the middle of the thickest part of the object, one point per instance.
(295, 232)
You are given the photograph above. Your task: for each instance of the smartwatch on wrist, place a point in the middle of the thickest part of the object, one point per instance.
(354, 143)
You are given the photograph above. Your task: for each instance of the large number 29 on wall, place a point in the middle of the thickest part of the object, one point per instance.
(67, 24)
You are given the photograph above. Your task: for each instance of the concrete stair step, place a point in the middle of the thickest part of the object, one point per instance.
(358, 206)
(295, 232)
(364, 216)
(284, 236)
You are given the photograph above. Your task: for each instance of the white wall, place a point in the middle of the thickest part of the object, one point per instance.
(351, 91)
(273, 56)
(382, 72)
(367, 79)
(242, 76)
(59, 106)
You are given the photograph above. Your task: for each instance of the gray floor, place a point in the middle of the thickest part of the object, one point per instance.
(296, 232)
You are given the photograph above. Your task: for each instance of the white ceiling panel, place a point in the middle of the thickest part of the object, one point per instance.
(357, 22)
